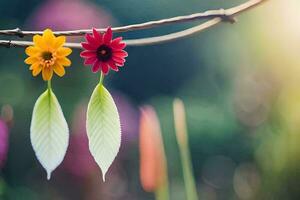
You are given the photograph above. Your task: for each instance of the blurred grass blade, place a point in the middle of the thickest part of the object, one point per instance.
(153, 164)
(103, 128)
(49, 132)
(182, 139)
(162, 192)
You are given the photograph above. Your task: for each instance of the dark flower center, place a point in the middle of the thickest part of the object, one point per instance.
(47, 55)
(104, 53)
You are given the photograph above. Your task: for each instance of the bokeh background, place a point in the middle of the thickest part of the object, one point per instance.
(240, 84)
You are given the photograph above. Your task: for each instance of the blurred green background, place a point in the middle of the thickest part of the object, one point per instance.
(240, 84)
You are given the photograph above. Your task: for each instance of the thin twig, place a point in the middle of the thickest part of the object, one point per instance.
(230, 14)
(147, 25)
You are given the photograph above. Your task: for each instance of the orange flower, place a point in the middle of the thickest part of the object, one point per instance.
(153, 171)
(48, 55)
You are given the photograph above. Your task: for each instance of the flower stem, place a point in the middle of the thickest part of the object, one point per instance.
(49, 85)
(162, 192)
(101, 79)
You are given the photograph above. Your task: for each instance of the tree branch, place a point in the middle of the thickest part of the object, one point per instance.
(147, 25)
(217, 16)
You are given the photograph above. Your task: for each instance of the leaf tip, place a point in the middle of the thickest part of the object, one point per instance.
(48, 175)
(103, 177)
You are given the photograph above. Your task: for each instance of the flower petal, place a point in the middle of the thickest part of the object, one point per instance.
(87, 54)
(90, 60)
(48, 37)
(32, 51)
(33, 66)
(119, 64)
(116, 40)
(31, 60)
(38, 41)
(120, 53)
(119, 46)
(64, 61)
(59, 69)
(113, 66)
(37, 70)
(96, 67)
(118, 59)
(98, 37)
(63, 51)
(91, 40)
(107, 36)
(88, 46)
(59, 42)
(47, 73)
(104, 67)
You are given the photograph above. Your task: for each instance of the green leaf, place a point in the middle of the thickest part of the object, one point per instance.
(49, 132)
(103, 128)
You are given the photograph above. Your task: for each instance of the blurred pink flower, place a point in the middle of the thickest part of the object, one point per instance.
(69, 14)
(78, 161)
(3, 143)
(129, 116)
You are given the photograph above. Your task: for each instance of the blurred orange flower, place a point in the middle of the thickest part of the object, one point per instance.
(153, 172)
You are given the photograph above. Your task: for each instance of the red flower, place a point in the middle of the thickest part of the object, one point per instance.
(103, 52)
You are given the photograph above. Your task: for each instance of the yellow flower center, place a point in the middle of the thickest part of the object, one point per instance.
(47, 55)
(48, 58)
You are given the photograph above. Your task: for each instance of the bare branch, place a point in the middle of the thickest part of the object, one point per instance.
(147, 25)
(218, 17)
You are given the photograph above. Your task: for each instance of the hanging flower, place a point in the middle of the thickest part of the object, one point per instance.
(103, 52)
(48, 55)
